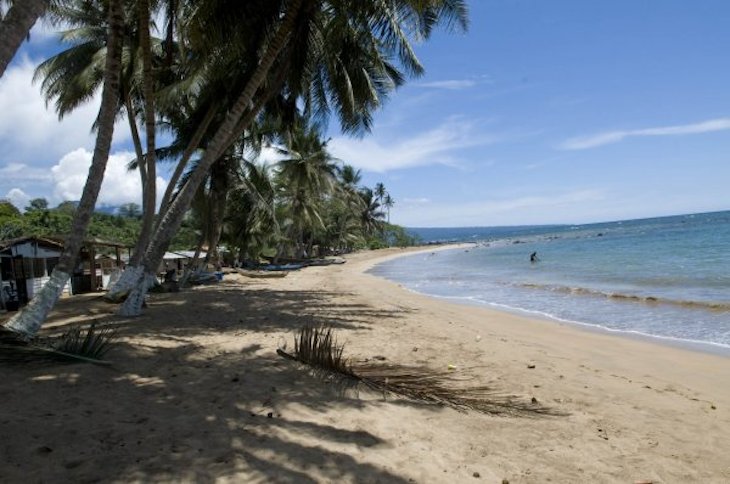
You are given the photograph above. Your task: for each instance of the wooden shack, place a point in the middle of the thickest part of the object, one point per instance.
(26, 264)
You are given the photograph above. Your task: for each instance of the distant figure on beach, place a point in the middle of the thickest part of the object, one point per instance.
(533, 257)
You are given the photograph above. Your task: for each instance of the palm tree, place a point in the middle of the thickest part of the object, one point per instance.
(343, 211)
(147, 164)
(15, 27)
(73, 76)
(224, 174)
(388, 203)
(28, 322)
(251, 224)
(350, 176)
(380, 192)
(335, 56)
(371, 217)
(305, 178)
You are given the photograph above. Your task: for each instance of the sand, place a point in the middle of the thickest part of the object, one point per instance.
(197, 393)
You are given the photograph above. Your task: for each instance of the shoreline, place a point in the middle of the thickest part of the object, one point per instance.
(645, 343)
(699, 346)
(198, 393)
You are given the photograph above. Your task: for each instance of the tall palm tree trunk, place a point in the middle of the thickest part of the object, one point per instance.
(150, 192)
(147, 163)
(28, 321)
(216, 230)
(219, 188)
(15, 27)
(170, 221)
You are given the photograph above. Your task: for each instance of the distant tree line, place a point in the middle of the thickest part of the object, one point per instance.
(40, 221)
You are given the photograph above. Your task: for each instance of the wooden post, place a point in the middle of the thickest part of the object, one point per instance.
(92, 267)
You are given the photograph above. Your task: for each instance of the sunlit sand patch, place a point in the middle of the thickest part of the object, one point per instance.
(68, 377)
(142, 381)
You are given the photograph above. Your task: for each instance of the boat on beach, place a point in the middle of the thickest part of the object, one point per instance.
(262, 274)
(281, 267)
(324, 261)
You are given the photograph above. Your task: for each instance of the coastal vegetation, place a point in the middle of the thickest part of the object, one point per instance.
(226, 80)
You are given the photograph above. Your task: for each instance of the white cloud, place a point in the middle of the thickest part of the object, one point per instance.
(533, 209)
(416, 201)
(31, 133)
(456, 84)
(18, 198)
(585, 142)
(120, 185)
(23, 172)
(268, 155)
(44, 31)
(452, 85)
(436, 146)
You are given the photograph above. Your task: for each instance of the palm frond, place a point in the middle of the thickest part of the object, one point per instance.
(75, 345)
(92, 343)
(317, 348)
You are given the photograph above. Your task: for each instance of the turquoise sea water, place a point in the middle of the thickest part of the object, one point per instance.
(665, 277)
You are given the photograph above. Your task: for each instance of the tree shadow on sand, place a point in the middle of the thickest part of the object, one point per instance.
(175, 408)
(193, 420)
(197, 393)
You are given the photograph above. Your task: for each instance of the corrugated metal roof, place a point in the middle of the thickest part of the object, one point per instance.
(58, 242)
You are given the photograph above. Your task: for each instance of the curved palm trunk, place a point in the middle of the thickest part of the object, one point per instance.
(150, 192)
(131, 273)
(191, 267)
(15, 27)
(216, 231)
(219, 188)
(136, 141)
(28, 321)
(189, 150)
(170, 221)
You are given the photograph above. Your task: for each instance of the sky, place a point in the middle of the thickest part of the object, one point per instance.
(542, 112)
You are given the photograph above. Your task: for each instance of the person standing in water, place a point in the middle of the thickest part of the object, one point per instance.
(533, 257)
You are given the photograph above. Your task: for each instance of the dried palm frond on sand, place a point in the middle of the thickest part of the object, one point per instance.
(76, 344)
(316, 347)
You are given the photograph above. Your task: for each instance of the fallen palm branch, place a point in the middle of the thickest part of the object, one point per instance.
(316, 347)
(76, 344)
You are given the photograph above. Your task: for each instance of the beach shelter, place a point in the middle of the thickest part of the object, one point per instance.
(26, 264)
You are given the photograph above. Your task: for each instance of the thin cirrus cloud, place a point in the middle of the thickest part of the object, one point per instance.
(609, 137)
(436, 146)
(23, 172)
(531, 209)
(451, 85)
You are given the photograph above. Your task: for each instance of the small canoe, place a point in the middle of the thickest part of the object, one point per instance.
(262, 274)
(281, 267)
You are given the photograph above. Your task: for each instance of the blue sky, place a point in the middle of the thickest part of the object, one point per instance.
(543, 112)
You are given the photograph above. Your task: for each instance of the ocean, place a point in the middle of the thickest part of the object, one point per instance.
(665, 278)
